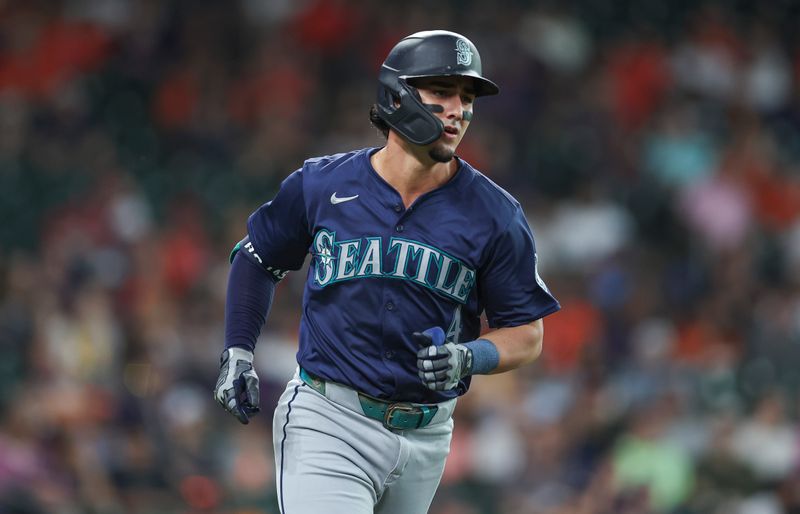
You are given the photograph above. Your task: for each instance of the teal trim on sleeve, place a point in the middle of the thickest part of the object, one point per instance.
(235, 251)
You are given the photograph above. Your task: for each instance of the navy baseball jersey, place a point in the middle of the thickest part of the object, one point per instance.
(380, 272)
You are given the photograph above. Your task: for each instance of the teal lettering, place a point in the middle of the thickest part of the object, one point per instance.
(348, 251)
(402, 256)
(424, 263)
(463, 283)
(444, 270)
(371, 261)
(338, 261)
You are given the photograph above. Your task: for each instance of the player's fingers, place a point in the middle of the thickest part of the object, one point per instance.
(446, 381)
(436, 334)
(240, 395)
(427, 378)
(231, 404)
(433, 352)
(252, 395)
(436, 380)
(440, 385)
(241, 415)
(430, 384)
(443, 374)
(422, 339)
(433, 365)
(433, 336)
(444, 384)
(424, 364)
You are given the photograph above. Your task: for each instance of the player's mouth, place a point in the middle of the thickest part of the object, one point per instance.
(450, 131)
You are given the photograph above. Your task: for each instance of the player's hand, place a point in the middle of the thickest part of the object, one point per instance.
(441, 365)
(237, 385)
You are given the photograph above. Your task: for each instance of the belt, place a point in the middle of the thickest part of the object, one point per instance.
(398, 416)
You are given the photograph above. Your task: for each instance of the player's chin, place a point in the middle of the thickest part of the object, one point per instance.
(440, 152)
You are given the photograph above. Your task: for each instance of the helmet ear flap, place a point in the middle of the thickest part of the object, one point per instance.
(388, 100)
(402, 109)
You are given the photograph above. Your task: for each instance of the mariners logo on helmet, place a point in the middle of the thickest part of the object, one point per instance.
(463, 53)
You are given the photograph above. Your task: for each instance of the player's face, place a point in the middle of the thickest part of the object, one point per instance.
(456, 96)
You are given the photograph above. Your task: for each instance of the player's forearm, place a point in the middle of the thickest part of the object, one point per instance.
(517, 346)
(249, 297)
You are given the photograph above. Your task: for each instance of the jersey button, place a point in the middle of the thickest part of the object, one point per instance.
(388, 354)
(399, 228)
(390, 306)
(397, 208)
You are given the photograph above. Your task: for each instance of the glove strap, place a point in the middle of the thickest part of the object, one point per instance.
(468, 362)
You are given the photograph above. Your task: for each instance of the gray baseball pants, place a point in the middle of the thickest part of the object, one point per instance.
(331, 458)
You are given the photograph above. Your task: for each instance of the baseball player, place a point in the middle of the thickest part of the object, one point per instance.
(409, 245)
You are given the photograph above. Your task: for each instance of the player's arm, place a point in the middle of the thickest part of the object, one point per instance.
(277, 241)
(516, 346)
(513, 294)
(442, 365)
(249, 298)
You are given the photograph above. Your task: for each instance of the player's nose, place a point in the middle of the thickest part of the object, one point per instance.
(453, 108)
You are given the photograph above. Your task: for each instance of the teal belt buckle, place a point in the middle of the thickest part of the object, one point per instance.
(405, 416)
(402, 416)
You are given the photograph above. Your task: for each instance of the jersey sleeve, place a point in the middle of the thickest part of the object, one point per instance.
(510, 288)
(278, 230)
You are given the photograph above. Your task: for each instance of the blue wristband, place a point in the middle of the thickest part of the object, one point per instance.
(485, 356)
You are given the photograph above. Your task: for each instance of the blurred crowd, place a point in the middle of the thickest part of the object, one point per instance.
(655, 147)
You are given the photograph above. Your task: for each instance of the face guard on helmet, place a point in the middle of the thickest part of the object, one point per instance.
(434, 53)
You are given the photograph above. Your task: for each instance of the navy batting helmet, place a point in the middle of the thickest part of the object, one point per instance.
(433, 53)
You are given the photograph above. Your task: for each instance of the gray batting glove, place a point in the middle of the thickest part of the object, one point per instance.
(441, 365)
(237, 385)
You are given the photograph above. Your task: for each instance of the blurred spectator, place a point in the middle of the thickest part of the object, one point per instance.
(644, 459)
(767, 442)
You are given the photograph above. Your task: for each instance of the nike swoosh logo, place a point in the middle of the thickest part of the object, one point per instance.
(335, 199)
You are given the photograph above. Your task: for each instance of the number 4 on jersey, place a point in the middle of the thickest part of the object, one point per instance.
(454, 332)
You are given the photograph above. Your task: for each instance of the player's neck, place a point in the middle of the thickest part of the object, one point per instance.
(410, 170)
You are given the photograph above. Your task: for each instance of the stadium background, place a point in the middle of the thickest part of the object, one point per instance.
(655, 145)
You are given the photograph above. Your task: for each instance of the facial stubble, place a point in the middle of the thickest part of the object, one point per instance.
(440, 153)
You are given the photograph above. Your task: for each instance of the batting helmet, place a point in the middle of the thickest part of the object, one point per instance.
(433, 53)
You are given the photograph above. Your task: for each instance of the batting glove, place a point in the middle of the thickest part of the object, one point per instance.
(441, 365)
(237, 385)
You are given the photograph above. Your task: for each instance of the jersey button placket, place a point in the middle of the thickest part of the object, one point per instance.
(389, 354)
